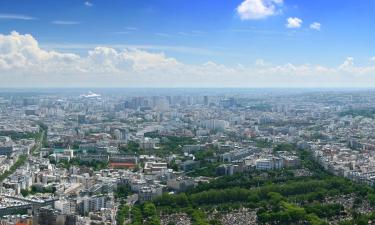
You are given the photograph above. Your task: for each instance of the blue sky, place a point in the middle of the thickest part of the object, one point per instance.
(194, 32)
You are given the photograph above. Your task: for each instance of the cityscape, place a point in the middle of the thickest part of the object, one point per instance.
(187, 112)
(186, 156)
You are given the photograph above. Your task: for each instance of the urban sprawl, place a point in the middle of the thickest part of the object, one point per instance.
(187, 157)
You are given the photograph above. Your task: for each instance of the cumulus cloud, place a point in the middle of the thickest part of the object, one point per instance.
(20, 52)
(315, 26)
(24, 63)
(347, 64)
(293, 22)
(258, 9)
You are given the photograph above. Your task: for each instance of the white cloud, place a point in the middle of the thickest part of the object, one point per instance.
(347, 64)
(315, 26)
(24, 63)
(294, 22)
(372, 59)
(15, 17)
(170, 48)
(88, 4)
(258, 9)
(65, 22)
(21, 53)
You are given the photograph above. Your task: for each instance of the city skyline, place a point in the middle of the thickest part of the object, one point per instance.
(242, 43)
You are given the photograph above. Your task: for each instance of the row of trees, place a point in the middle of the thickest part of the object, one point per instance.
(121, 193)
(122, 213)
(34, 189)
(298, 191)
(145, 214)
(20, 161)
(199, 218)
(19, 135)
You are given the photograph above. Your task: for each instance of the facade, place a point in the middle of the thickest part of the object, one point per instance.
(269, 163)
(149, 192)
(6, 146)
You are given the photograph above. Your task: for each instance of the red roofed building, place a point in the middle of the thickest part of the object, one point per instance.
(122, 165)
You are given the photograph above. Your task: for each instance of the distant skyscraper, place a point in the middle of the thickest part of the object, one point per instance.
(205, 99)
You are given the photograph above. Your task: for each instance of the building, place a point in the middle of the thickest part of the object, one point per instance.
(93, 203)
(237, 154)
(123, 162)
(6, 146)
(180, 184)
(148, 143)
(291, 161)
(155, 167)
(269, 163)
(66, 206)
(149, 192)
(215, 124)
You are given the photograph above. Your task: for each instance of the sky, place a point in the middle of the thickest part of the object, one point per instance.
(187, 43)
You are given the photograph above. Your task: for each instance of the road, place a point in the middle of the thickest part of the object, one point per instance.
(22, 159)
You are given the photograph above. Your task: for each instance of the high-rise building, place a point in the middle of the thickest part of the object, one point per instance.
(205, 100)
